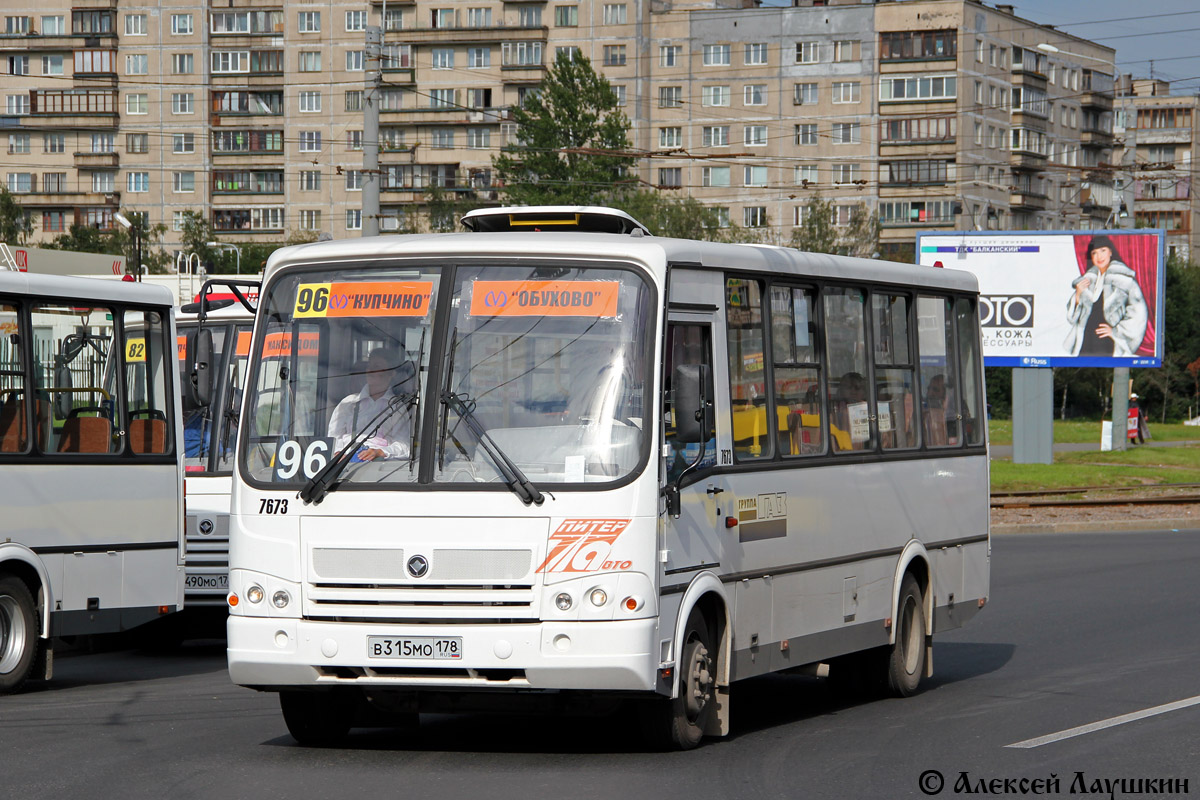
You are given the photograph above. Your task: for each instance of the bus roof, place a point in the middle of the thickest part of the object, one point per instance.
(86, 288)
(659, 253)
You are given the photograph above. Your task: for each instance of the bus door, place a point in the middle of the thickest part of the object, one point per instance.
(692, 538)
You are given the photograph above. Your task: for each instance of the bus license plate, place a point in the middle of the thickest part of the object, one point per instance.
(425, 648)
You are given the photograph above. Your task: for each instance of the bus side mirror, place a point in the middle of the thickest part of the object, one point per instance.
(64, 399)
(202, 368)
(691, 407)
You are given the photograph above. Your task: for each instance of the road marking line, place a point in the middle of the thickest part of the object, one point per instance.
(1106, 723)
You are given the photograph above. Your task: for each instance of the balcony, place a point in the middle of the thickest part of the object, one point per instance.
(1021, 199)
(1027, 159)
(1164, 136)
(97, 161)
(1096, 138)
(1097, 100)
(68, 199)
(449, 36)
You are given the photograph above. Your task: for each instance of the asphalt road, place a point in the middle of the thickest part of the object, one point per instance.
(1080, 628)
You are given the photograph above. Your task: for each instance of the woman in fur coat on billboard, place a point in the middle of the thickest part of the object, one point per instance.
(1107, 310)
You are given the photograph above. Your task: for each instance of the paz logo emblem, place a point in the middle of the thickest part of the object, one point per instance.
(206, 526)
(418, 566)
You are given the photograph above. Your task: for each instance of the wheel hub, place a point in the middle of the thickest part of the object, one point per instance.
(12, 634)
(699, 683)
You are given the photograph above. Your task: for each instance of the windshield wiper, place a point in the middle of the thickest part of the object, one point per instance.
(324, 482)
(520, 484)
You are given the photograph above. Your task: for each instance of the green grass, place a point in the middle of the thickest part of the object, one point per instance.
(1136, 467)
(1000, 431)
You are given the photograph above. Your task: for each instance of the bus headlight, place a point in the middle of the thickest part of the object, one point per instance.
(598, 597)
(563, 601)
(281, 599)
(255, 594)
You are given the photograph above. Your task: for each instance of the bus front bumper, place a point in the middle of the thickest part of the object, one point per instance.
(273, 653)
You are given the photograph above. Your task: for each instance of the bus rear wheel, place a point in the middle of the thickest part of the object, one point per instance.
(906, 661)
(317, 719)
(18, 634)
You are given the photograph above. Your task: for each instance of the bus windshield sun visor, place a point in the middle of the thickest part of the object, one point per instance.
(520, 484)
(325, 481)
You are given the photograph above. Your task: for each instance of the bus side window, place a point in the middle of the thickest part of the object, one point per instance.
(968, 349)
(146, 384)
(939, 381)
(752, 420)
(850, 426)
(895, 375)
(687, 343)
(74, 398)
(797, 371)
(14, 425)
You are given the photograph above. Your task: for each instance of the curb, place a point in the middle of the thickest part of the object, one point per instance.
(1099, 526)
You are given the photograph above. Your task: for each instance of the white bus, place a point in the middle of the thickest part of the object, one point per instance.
(92, 485)
(210, 426)
(599, 464)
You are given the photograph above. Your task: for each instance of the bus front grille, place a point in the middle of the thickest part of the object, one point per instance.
(418, 603)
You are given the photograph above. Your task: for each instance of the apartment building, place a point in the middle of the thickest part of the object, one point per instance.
(934, 113)
(1155, 156)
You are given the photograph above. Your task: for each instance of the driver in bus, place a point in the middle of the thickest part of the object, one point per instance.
(392, 438)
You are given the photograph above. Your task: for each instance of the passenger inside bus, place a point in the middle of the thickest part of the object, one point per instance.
(935, 412)
(385, 380)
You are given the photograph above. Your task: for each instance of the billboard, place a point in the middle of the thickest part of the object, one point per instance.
(64, 262)
(1062, 298)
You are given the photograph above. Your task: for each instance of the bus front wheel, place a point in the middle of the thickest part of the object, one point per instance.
(317, 719)
(18, 633)
(906, 661)
(693, 707)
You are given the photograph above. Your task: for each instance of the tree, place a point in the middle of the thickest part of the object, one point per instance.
(571, 140)
(15, 222)
(670, 215)
(118, 242)
(819, 234)
(445, 208)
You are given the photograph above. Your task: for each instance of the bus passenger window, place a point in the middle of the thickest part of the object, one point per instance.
(147, 387)
(74, 394)
(752, 420)
(968, 350)
(895, 374)
(14, 428)
(938, 378)
(850, 425)
(797, 371)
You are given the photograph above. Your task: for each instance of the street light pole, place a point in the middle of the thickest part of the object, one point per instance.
(134, 231)
(237, 251)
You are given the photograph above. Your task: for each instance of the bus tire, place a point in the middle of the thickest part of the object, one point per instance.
(906, 661)
(694, 705)
(18, 634)
(317, 719)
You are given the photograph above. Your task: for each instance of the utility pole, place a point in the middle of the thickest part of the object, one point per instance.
(371, 176)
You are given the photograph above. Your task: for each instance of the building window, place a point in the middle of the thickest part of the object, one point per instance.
(714, 95)
(54, 221)
(754, 216)
(18, 143)
(755, 94)
(805, 94)
(18, 65)
(846, 92)
(670, 137)
(104, 182)
(227, 61)
(310, 22)
(479, 98)
(138, 181)
(181, 103)
(107, 142)
(715, 135)
(566, 16)
(917, 45)
(614, 13)
(807, 52)
(310, 220)
(670, 96)
(354, 140)
(135, 25)
(521, 54)
(441, 98)
(755, 53)
(529, 16)
(134, 143)
(919, 171)
(310, 61)
(570, 51)
(716, 55)
(16, 26)
(670, 55)
(805, 175)
(443, 138)
(845, 173)
(310, 180)
(479, 138)
(479, 18)
(354, 60)
(310, 102)
(354, 180)
(905, 212)
(21, 182)
(357, 21)
(619, 91)
(184, 181)
(137, 64)
(137, 103)
(54, 143)
(754, 176)
(310, 141)
(52, 65)
(714, 176)
(614, 55)
(183, 63)
(443, 58)
(393, 19)
(756, 136)
(479, 57)
(181, 25)
(354, 219)
(183, 143)
(806, 133)
(846, 133)
(54, 26)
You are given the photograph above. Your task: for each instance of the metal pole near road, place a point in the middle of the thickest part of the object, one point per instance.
(1120, 405)
(370, 176)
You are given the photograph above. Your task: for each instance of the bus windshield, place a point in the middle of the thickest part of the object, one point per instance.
(543, 368)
